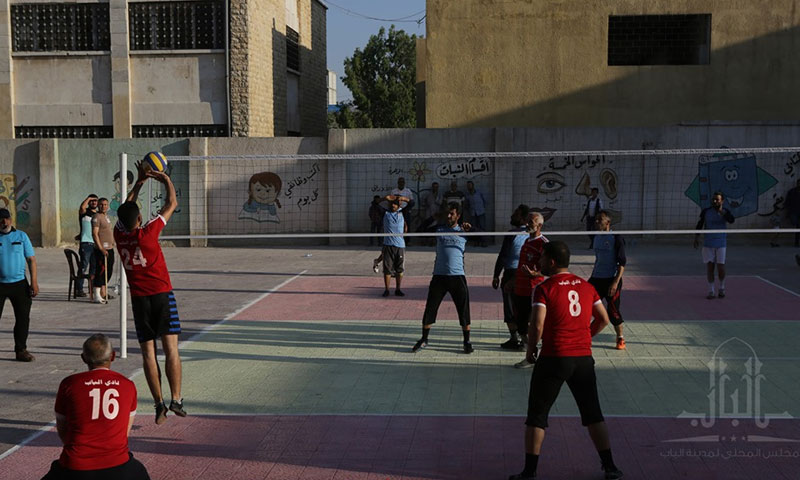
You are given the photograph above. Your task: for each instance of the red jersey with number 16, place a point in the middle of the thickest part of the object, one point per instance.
(569, 300)
(143, 259)
(96, 407)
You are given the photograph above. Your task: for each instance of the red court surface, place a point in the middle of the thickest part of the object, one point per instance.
(438, 447)
(643, 298)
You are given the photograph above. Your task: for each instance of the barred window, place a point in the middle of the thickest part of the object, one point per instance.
(64, 132)
(177, 25)
(292, 49)
(659, 39)
(49, 27)
(178, 131)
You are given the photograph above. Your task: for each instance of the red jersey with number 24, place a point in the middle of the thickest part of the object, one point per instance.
(143, 259)
(96, 406)
(569, 300)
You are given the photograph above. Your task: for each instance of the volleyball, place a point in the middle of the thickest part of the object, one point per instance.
(156, 161)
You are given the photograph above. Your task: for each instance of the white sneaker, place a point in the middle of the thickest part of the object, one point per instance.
(98, 299)
(523, 364)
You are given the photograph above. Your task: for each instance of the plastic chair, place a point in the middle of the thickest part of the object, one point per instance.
(74, 262)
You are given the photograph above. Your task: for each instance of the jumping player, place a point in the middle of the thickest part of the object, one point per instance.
(155, 311)
(563, 306)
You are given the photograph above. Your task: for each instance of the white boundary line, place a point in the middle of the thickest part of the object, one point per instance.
(776, 285)
(458, 415)
(136, 373)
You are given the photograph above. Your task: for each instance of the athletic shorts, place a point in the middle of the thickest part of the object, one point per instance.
(393, 260)
(714, 255)
(155, 315)
(549, 374)
(130, 470)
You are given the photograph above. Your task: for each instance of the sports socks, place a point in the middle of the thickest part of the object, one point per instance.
(606, 459)
(722, 284)
(531, 463)
(425, 332)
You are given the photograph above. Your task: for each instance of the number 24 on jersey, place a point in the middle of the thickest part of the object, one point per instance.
(128, 262)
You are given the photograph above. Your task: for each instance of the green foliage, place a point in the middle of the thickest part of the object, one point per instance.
(382, 78)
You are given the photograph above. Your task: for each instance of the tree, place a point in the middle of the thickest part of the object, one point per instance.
(382, 79)
(347, 116)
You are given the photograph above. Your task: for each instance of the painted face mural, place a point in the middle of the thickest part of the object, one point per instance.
(737, 176)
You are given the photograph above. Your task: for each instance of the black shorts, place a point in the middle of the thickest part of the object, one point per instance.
(393, 260)
(522, 312)
(155, 315)
(100, 263)
(549, 374)
(130, 470)
(602, 285)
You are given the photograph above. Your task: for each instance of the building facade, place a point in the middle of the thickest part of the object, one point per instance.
(562, 63)
(121, 69)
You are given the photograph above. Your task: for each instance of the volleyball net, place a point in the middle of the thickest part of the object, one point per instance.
(324, 196)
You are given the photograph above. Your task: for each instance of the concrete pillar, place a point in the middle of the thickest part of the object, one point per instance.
(198, 188)
(120, 69)
(337, 185)
(50, 214)
(6, 73)
(503, 178)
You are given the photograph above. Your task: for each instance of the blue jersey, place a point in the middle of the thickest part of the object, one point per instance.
(711, 219)
(450, 252)
(508, 258)
(609, 255)
(393, 222)
(15, 248)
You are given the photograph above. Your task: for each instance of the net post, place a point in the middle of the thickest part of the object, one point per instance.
(123, 281)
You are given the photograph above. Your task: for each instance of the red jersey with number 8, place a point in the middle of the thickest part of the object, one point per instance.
(569, 300)
(143, 259)
(96, 407)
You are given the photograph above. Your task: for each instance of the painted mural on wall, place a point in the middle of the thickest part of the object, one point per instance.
(262, 198)
(559, 187)
(15, 195)
(737, 176)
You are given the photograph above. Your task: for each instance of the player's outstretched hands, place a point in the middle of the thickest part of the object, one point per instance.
(158, 176)
(142, 172)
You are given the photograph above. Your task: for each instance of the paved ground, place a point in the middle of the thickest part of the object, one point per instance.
(315, 379)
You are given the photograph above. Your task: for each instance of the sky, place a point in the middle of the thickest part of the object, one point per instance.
(348, 28)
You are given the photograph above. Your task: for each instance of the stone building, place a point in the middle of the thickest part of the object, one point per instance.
(569, 63)
(177, 68)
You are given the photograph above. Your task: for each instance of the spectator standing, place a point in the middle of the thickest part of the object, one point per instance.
(15, 252)
(593, 207)
(376, 212)
(103, 235)
(86, 242)
(476, 208)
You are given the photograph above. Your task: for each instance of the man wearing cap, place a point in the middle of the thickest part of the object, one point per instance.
(15, 251)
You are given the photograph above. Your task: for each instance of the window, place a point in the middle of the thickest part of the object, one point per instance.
(49, 27)
(659, 39)
(292, 49)
(177, 25)
(178, 131)
(64, 132)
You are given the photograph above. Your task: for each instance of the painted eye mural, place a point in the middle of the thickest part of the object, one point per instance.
(549, 182)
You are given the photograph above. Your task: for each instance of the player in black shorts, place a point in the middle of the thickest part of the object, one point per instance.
(563, 306)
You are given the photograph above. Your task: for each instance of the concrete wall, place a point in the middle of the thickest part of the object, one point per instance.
(48, 179)
(62, 90)
(544, 63)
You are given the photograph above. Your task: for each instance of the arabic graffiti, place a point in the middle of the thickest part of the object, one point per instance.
(464, 168)
(730, 453)
(157, 200)
(591, 161)
(301, 180)
(308, 199)
(789, 168)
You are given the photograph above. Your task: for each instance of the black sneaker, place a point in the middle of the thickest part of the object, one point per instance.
(161, 413)
(523, 476)
(612, 473)
(386, 293)
(399, 293)
(421, 343)
(80, 293)
(468, 347)
(511, 344)
(177, 408)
